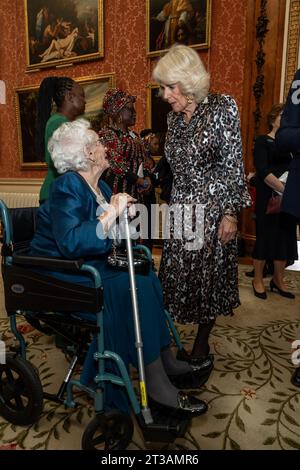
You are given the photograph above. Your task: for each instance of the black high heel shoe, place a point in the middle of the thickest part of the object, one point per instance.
(202, 364)
(283, 293)
(260, 295)
(198, 363)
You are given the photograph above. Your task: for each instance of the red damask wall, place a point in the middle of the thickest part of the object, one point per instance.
(125, 54)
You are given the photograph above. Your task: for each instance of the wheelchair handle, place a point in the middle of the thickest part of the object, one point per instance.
(146, 251)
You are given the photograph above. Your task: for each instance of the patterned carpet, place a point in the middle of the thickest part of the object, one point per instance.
(252, 404)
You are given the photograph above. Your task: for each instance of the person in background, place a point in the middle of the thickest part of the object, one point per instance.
(161, 175)
(164, 177)
(126, 149)
(151, 143)
(69, 99)
(203, 147)
(275, 233)
(268, 267)
(78, 221)
(288, 140)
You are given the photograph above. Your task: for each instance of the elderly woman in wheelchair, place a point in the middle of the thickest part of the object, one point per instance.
(78, 222)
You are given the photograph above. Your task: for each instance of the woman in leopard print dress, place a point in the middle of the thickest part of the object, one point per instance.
(203, 147)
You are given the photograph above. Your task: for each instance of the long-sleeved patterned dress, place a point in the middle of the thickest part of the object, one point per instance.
(205, 156)
(126, 152)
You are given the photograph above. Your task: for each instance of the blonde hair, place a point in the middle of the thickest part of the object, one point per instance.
(68, 146)
(182, 65)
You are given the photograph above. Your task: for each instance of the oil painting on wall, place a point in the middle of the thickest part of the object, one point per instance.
(59, 32)
(177, 21)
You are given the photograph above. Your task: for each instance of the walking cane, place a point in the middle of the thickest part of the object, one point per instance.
(136, 320)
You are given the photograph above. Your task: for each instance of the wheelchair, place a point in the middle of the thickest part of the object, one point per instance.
(47, 304)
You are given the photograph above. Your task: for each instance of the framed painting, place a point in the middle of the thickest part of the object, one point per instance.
(26, 105)
(61, 32)
(157, 111)
(177, 21)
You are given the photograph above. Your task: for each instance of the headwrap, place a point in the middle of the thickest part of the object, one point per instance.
(115, 99)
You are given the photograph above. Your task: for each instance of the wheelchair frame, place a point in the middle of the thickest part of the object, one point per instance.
(18, 272)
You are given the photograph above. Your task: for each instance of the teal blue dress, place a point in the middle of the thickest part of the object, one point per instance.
(67, 227)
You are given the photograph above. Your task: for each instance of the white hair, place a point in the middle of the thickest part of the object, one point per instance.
(68, 146)
(182, 65)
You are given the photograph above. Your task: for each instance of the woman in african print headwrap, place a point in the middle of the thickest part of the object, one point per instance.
(126, 150)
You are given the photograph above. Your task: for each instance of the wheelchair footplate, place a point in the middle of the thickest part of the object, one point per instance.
(166, 427)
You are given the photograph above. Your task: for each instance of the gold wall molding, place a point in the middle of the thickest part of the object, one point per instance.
(20, 185)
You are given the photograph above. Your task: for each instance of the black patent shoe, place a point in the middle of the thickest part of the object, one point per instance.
(199, 362)
(281, 292)
(187, 405)
(296, 378)
(202, 363)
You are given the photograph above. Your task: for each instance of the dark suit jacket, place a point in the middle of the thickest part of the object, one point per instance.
(288, 140)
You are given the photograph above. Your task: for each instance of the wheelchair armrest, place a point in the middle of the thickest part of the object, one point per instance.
(49, 263)
(145, 249)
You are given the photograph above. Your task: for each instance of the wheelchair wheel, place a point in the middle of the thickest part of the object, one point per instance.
(21, 393)
(108, 431)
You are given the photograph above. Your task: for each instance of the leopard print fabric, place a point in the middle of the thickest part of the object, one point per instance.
(205, 156)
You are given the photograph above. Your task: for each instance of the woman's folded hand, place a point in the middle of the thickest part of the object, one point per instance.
(120, 201)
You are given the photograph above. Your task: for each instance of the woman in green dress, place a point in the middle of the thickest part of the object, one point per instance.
(69, 99)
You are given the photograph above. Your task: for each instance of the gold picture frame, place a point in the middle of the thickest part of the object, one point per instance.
(291, 47)
(62, 33)
(26, 105)
(182, 21)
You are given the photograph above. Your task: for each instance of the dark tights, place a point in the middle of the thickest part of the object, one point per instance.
(201, 346)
